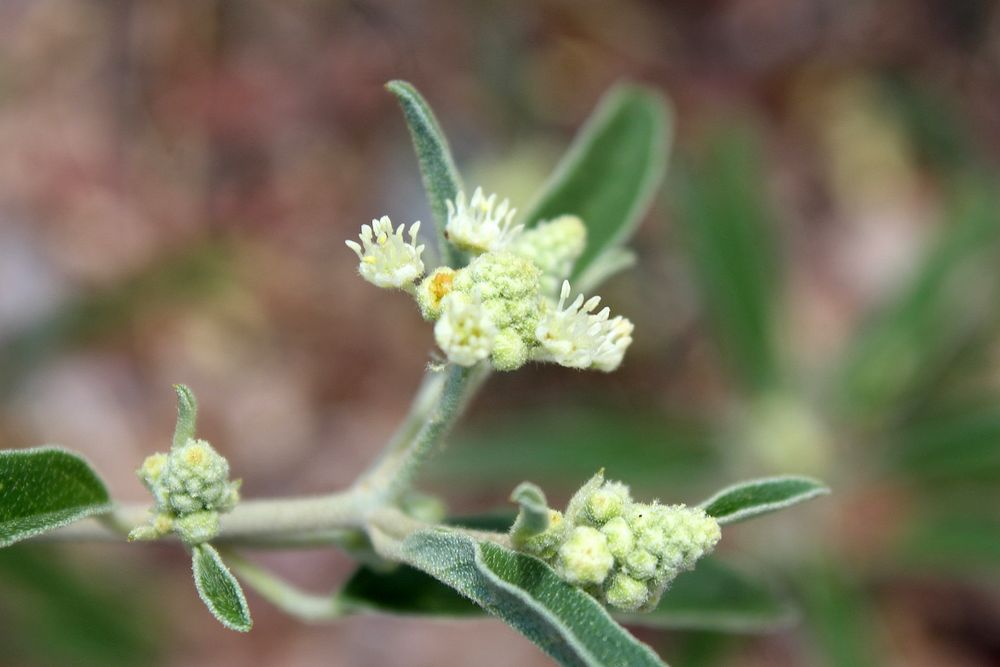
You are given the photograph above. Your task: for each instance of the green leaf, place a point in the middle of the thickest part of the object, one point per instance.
(404, 590)
(611, 171)
(43, 488)
(57, 612)
(916, 335)
(571, 443)
(525, 593)
(716, 597)
(959, 443)
(752, 498)
(839, 614)
(219, 589)
(187, 415)
(956, 542)
(441, 179)
(729, 234)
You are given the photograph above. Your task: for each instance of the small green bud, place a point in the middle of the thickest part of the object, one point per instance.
(197, 527)
(432, 290)
(509, 351)
(626, 593)
(641, 564)
(152, 469)
(196, 477)
(606, 503)
(544, 544)
(621, 541)
(509, 289)
(584, 558)
(553, 247)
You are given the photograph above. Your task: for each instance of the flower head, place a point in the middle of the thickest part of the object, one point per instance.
(553, 246)
(387, 260)
(576, 337)
(465, 330)
(480, 225)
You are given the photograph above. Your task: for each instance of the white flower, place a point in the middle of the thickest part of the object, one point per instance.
(576, 337)
(480, 225)
(465, 330)
(386, 259)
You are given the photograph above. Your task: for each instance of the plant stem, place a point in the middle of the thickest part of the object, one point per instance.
(438, 404)
(283, 595)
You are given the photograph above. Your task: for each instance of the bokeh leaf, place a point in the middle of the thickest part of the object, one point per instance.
(54, 612)
(716, 597)
(524, 592)
(957, 542)
(611, 171)
(43, 488)
(752, 498)
(437, 167)
(952, 293)
(839, 616)
(958, 443)
(569, 443)
(219, 589)
(729, 235)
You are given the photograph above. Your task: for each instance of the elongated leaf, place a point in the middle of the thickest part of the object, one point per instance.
(524, 592)
(571, 443)
(730, 237)
(716, 597)
(959, 443)
(610, 173)
(749, 499)
(404, 590)
(840, 617)
(959, 542)
(219, 589)
(57, 612)
(441, 179)
(43, 488)
(916, 334)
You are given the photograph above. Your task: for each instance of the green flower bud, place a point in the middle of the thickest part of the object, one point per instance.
(553, 247)
(432, 290)
(607, 503)
(509, 289)
(641, 564)
(197, 527)
(546, 543)
(584, 558)
(196, 477)
(509, 351)
(626, 593)
(621, 540)
(152, 469)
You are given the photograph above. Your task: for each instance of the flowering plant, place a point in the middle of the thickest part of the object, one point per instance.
(502, 291)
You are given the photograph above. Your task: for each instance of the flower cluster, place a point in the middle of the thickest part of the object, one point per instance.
(190, 484)
(623, 552)
(502, 304)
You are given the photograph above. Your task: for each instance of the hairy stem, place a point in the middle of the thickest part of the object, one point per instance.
(282, 594)
(440, 401)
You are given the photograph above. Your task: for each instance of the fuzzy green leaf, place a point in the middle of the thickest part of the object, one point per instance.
(752, 498)
(716, 597)
(219, 589)
(611, 171)
(187, 415)
(437, 168)
(43, 488)
(525, 593)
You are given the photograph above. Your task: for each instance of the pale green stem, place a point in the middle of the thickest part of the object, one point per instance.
(389, 527)
(437, 406)
(282, 594)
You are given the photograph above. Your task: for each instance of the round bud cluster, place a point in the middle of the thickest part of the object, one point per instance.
(503, 305)
(623, 552)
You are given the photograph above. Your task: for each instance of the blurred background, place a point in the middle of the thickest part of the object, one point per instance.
(816, 292)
